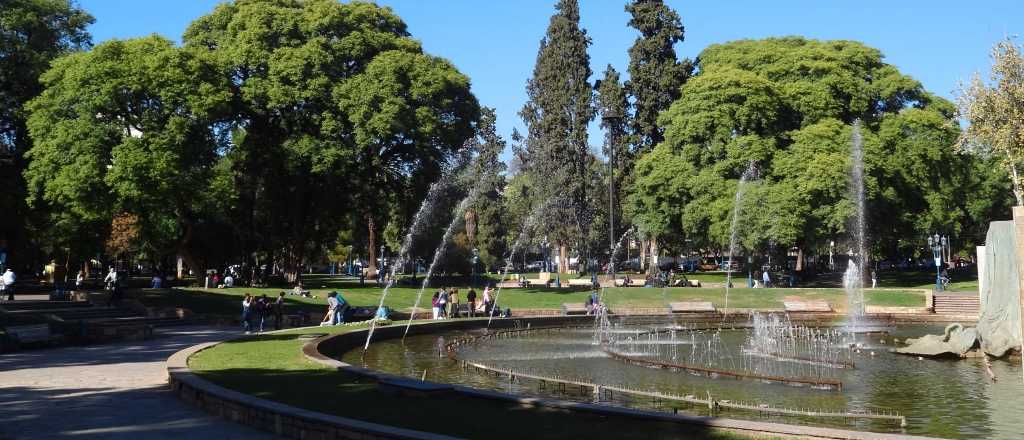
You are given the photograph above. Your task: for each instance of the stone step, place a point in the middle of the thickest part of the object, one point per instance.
(19, 306)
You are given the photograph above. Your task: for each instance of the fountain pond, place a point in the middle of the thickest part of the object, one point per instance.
(769, 369)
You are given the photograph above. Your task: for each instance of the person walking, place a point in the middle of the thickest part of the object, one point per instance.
(7, 281)
(262, 310)
(766, 278)
(487, 300)
(246, 313)
(79, 280)
(278, 311)
(471, 302)
(442, 303)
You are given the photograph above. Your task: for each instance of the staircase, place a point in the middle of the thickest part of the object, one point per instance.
(78, 311)
(960, 304)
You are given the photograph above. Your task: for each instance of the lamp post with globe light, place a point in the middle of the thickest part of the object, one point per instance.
(937, 243)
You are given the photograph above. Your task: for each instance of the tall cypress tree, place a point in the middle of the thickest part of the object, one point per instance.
(559, 108)
(656, 75)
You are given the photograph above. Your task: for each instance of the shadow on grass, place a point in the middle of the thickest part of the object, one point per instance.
(344, 395)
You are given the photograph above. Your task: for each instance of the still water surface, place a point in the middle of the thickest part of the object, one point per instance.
(943, 398)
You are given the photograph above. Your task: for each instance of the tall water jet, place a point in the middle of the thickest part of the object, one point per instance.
(441, 248)
(853, 278)
(527, 225)
(741, 188)
(422, 213)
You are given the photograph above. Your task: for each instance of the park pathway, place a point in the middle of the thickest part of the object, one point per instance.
(112, 391)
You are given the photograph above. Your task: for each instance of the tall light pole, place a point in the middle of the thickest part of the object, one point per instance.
(611, 120)
(937, 243)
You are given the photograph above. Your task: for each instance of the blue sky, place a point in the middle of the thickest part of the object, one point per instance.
(495, 42)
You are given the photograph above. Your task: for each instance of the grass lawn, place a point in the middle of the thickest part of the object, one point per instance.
(272, 367)
(227, 302)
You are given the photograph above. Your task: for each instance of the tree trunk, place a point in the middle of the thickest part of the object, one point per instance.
(563, 260)
(799, 259)
(470, 218)
(652, 268)
(642, 255)
(371, 243)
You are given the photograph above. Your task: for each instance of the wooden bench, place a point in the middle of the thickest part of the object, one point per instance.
(574, 309)
(812, 306)
(581, 282)
(691, 307)
(619, 282)
(30, 333)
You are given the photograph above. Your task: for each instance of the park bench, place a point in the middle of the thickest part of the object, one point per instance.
(574, 309)
(30, 333)
(542, 279)
(691, 307)
(809, 306)
(578, 282)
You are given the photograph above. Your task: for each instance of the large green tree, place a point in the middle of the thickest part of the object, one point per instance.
(559, 107)
(787, 106)
(32, 34)
(655, 72)
(337, 111)
(128, 128)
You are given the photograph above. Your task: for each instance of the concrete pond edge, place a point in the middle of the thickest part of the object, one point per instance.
(293, 422)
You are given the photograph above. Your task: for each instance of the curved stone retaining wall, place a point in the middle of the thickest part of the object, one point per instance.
(292, 422)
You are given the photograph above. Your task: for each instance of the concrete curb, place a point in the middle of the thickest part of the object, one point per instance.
(278, 418)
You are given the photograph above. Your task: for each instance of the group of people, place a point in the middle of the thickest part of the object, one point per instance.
(256, 311)
(593, 303)
(336, 308)
(446, 303)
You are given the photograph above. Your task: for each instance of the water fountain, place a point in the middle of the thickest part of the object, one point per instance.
(741, 187)
(853, 278)
(424, 211)
(441, 248)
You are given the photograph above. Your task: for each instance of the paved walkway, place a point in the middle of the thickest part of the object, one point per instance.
(113, 391)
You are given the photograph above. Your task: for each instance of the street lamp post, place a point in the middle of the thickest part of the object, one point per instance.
(937, 243)
(380, 270)
(831, 252)
(611, 120)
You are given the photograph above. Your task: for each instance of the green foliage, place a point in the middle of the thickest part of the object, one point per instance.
(557, 112)
(655, 72)
(127, 127)
(32, 34)
(787, 105)
(994, 112)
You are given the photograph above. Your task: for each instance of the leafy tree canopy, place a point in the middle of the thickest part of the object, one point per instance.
(787, 105)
